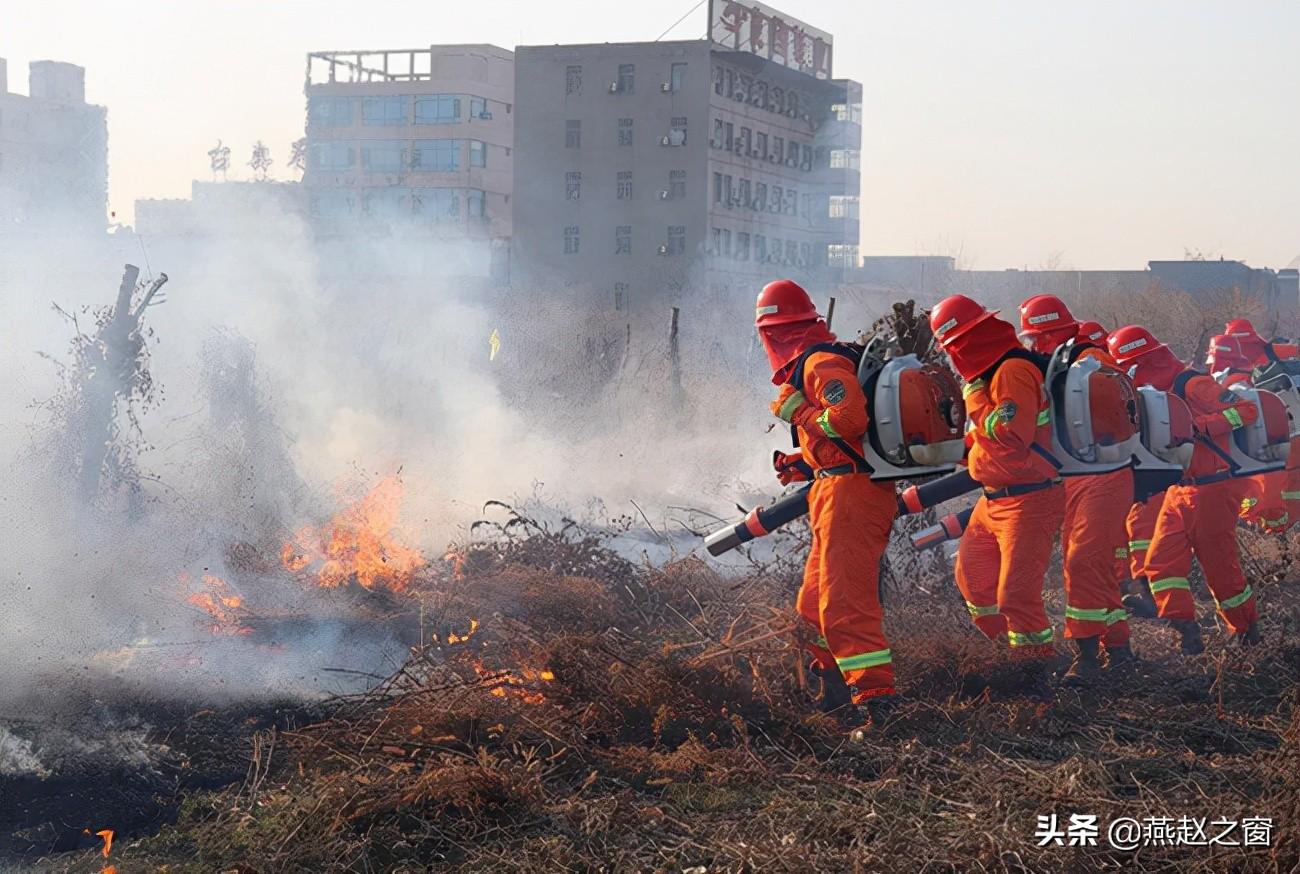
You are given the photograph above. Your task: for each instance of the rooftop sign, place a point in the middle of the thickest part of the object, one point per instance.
(747, 26)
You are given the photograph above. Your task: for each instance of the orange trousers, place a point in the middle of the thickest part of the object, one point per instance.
(1094, 546)
(1001, 564)
(1200, 521)
(1272, 500)
(1141, 528)
(851, 517)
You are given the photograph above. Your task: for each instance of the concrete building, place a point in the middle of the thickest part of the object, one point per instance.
(416, 144)
(53, 155)
(649, 171)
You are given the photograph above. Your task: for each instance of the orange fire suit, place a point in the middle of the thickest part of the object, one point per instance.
(1272, 500)
(1141, 528)
(1199, 516)
(851, 516)
(1004, 553)
(1094, 548)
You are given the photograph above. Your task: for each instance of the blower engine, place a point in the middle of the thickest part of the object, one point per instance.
(917, 415)
(1262, 445)
(1282, 378)
(917, 428)
(1096, 426)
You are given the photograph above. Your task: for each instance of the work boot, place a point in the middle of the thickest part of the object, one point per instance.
(835, 694)
(1120, 658)
(1086, 667)
(873, 714)
(1189, 636)
(1250, 637)
(1139, 602)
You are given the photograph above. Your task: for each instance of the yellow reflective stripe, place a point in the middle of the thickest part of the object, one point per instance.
(1139, 545)
(1248, 503)
(1237, 600)
(822, 642)
(1082, 614)
(791, 404)
(824, 420)
(1291, 496)
(1234, 418)
(1029, 638)
(1280, 520)
(1170, 583)
(1121, 552)
(864, 660)
(971, 387)
(1044, 416)
(976, 610)
(1117, 616)
(990, 423)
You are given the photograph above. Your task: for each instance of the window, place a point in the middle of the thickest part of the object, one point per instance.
(726, 243)
(332, 156)
(728, 135)
(805, 254)
(573, 80)
(383, 110)
(382, 156)
(842, 255)
(845, 159)
(760, 145)
(717, 80)
(726, 190)
(477, 153)
(625, 185)
(716, 141)
(790, 206)
(742, 143)
(333, 203)
(478, 107)
(626, 78)
(387, 203)
(438, 205)
(623, 240)
(677, 132)
(777, 198)
(778, 148)
(676, 239)
(437, 109)
(573, 134)
(572, 185)
(775, 99)
(847, 112)
(677, 76)
(843, 207)
(758, 94)
(760, 196)
(620, 296)
(774, 251)
(741, 92)
(717, 241)
(806, 159)
(571, 240)
(791, 252)
(625, 131)
(676, 184)
(476, 204)
(717, 188)
(331, 111)
(436, 156)
(760, 247)
(742, 193)
(742, 247)
(792, 154)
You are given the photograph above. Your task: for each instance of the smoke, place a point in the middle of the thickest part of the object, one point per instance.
(291, 380)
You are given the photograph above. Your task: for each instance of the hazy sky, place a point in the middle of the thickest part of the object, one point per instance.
(1016, 133)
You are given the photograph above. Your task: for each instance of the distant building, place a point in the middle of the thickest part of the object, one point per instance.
(647, 169)
(227, 209)
(414, 143)
(53, 154)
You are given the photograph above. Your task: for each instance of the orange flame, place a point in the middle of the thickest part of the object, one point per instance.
(222, 603)
(453, 638)
(519, 683)
(359, 543)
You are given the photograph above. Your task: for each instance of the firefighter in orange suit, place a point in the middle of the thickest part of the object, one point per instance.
(1199, 515)
(1094, 541)
(1240, 352)
(1005, 550)
(850, 513)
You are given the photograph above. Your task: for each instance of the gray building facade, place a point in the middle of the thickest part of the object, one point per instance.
(646, 172)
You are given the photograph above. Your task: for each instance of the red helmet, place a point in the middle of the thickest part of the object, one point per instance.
(1225, 353)
(1239, 326)
(782, 302)
(1043, 313)
(954, 316)
(1092, 332)
(1131, 342)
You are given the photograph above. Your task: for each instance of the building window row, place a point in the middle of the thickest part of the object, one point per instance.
(624, 81)
(755, 144)
(397, 156)
(676, 135)
(843, 207)
(745, 246)
(676, 189)
(746, 89)
(400, 203)
(842, 255)
(732, 193)
(395, 109)
(675, 241)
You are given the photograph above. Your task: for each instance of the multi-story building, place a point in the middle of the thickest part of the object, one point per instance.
(646, 169)
(53, 155)
(414, 143)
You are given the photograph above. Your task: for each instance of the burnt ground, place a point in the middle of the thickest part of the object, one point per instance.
(612, 717)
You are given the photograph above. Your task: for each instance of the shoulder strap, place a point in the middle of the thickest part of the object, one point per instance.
(1180, 388)
(851, 351)
(1180, 382)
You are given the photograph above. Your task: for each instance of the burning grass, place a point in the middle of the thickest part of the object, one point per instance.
(569, 710)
